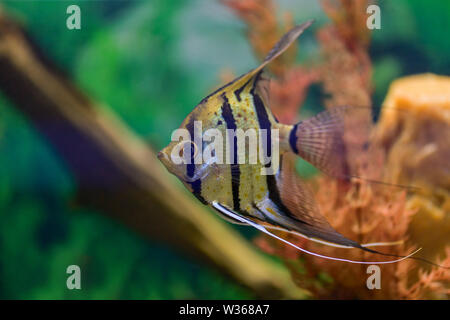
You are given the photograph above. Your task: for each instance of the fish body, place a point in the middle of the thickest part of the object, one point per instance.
(279, 199)
(237, 186)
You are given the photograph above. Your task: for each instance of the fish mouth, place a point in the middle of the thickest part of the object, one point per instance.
(162, 156)
(168, 164)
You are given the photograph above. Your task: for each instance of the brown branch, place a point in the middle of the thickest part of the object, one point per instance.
(119, 175)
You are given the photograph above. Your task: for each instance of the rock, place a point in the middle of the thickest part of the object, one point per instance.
(414, 131)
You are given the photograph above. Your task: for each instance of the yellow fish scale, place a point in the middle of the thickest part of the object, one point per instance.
(217, 185)
(253, 186)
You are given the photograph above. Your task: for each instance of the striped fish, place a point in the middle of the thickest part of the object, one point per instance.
(239, 192)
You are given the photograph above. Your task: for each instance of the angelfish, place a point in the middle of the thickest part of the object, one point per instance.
(239, 192)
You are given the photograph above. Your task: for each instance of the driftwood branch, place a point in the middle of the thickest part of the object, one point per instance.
(119, 175)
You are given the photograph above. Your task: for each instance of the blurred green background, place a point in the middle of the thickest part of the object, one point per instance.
(151, 61)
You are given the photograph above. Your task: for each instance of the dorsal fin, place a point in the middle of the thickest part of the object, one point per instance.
(260, 82)
(281, 46)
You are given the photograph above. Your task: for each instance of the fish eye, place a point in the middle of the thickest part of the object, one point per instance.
(188, 144)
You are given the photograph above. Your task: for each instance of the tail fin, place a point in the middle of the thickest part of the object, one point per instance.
(320, 140)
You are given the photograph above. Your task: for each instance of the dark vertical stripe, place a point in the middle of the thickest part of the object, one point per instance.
(293, 139)
(197, 190)
(237, 92)
(190, 169)
(222, 88)
(261, 113)
(227, 115)
(264, 123)
(274, 193)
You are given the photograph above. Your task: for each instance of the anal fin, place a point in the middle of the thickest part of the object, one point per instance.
(244, 220)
